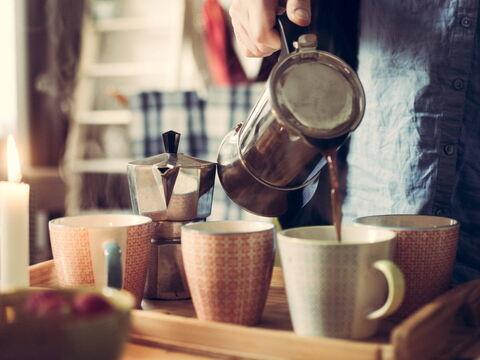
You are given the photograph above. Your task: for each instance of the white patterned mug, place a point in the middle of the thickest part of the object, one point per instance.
(337, 289)
(425, 251)
(102, 250)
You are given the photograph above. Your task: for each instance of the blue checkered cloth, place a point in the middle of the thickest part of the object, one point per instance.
(202, 121)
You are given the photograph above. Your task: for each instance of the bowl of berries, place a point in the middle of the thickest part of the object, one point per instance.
(69, 324)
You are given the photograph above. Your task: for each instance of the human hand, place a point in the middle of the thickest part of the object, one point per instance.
(254, 21)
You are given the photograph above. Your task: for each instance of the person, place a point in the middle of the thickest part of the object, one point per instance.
(417, 149)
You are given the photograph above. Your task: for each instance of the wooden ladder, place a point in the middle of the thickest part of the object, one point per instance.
(132, 74)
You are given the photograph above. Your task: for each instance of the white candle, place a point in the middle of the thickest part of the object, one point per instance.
(14, 225)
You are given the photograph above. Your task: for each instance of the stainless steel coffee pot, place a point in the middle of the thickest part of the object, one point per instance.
(173, 189)
(166, 278)
(171, 186)
(312, 101)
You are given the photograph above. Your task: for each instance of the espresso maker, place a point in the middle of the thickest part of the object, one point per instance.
(312, 101)
(172, 189)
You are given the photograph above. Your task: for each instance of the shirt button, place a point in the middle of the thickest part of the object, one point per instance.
(466, 22)
(458, 84)
(449, 149)
(442, 212)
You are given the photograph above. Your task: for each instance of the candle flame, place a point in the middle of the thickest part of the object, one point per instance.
(13, 161)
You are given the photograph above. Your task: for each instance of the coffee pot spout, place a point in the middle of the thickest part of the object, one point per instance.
(165, 178)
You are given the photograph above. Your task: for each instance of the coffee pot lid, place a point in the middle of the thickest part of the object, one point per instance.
(316, 92)
(171, 186)
(171, 158)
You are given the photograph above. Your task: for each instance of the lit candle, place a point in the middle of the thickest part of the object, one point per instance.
(14, 225)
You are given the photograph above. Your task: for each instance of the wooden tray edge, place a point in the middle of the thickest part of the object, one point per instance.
(244, 342)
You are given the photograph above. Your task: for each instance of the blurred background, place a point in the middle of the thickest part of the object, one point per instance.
(88, 85)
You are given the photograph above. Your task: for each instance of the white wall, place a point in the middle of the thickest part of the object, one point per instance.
(13, 74)
(8, 68)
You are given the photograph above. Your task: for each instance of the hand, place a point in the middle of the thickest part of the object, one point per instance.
(254, 21)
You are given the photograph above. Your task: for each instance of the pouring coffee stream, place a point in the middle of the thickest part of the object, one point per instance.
(335, 200)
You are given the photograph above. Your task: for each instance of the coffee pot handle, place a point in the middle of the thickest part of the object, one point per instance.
(396, 289)
(289, 33)
(113, 264)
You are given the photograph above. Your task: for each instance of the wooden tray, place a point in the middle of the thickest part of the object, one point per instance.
(440, 330)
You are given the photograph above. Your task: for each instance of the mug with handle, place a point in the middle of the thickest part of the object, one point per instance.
(425, 251)
(113, 262)
(338, 289)
(102, 250)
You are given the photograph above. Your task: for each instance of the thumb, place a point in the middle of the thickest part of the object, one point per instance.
(299, 11)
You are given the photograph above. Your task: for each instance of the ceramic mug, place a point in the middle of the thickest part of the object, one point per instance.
(425, 251)
(228, 265)
(338, 289)
(102, 250)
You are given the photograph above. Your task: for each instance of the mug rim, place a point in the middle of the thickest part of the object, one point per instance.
(58, 222)
(453, 223)
(202, 227)
(388, 235)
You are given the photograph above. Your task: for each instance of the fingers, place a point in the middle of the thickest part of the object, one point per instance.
(299, 11)
(253, 22)
(262, 20)
(249, 48)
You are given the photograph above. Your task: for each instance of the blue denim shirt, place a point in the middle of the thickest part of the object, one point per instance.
(417, 149)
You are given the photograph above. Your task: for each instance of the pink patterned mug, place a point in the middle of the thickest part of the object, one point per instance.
(102, 250)
(228, 265)
(425, 252)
